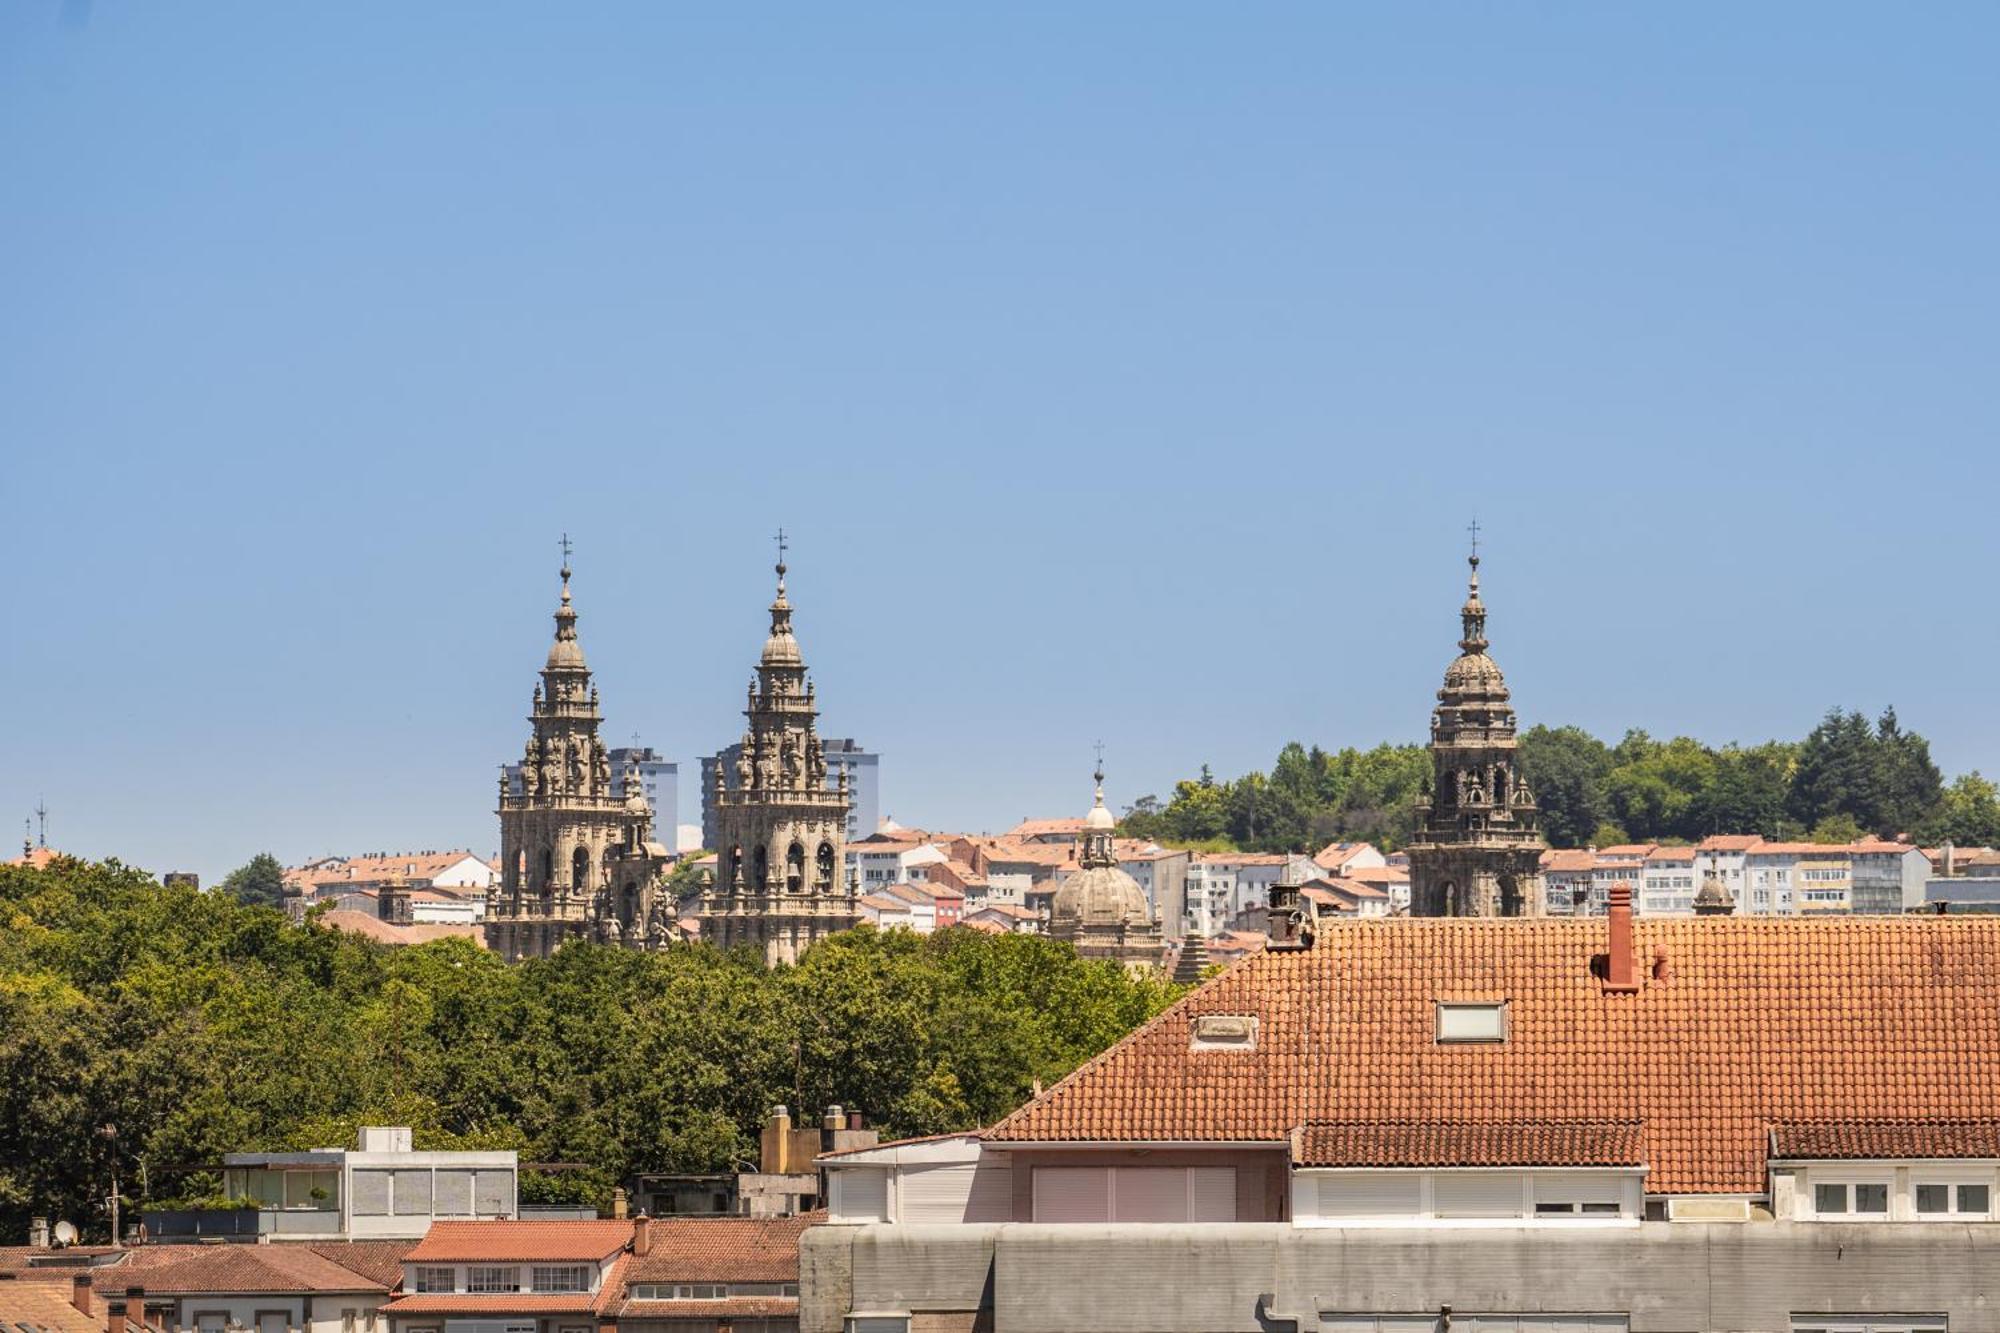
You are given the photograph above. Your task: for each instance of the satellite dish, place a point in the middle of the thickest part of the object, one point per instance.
(65, 1233)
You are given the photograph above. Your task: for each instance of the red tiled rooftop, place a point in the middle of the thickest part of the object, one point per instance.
(1886, 1139)
(181, 1270)
(1759, 1021)
(721, 1249)
(1456, 1143)
(507, 1303)
(520, 1242)
(730, 1307)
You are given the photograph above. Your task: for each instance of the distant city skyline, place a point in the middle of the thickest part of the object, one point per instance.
(1128, 373)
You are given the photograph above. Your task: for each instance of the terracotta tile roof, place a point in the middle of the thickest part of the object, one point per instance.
(1354, 887)
(1886, 1139)
(1629, 850)
(1032, 828)
(984, 927)
(1379, 874)
(385, 932)
(227, 1268)
(44, 1307)
(1457, 1143)
(1798, 849)
(379, 1260)
(1239, 859)
(521, 1242)
(1337, 854)
(337, 870)
(722, 1249)
(1728, 842)
(1759, 1021)
(1671, 854)
(1570, 860)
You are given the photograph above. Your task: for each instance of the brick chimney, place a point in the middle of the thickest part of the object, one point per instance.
(642, 1235)
(79, 1293)
(114, 1317)
(1621, 971)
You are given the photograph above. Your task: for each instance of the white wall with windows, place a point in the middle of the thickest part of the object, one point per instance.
(1886, 1191)
(1467, 1197)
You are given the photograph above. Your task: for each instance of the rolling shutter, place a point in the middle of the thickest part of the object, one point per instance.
(1476, 1194)
(1212, 1194)
(371, 1193)
(1382, 1194)
(1072, 1194)
(1150, 1194)
(493, 1193)
(935, 1193)
(412, 1193)
(861, 1194)
(454, 1194)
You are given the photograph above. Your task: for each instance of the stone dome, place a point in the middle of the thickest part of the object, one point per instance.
(1101, 896)
(1474, 671)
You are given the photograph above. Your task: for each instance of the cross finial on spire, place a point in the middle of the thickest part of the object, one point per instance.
(1099, 773)
(42, 819)
(1473, 528)
(566, 549)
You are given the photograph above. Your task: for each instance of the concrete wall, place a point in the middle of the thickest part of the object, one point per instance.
(1264, 1278)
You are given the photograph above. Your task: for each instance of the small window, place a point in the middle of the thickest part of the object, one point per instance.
(1471, 1022)
(435, 1279)
(1952, 1198)
(1864, 1199)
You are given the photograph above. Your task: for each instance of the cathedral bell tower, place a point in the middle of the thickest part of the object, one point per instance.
(577, 859)
(1477, 850)
(780, 883)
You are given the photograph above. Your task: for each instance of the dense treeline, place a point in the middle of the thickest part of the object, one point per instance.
(199, 1025)
(1847, 778)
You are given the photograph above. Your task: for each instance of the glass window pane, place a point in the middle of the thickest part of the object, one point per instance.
(1871, 1198)
(1973, 1198)
(1829, 1198)
(1933, 1198)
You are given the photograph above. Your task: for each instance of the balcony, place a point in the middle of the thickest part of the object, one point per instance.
(245, 1224)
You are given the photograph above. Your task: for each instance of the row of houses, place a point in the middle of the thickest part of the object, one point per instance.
(1763, 877)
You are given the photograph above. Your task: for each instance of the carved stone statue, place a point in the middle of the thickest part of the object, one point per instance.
(743, 768)
(576, 766)
(790, 753)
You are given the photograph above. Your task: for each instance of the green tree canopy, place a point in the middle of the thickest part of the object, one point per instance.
(260, 880)
(276, 1036)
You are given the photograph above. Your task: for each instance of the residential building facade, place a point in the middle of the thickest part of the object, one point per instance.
(1608, 1125)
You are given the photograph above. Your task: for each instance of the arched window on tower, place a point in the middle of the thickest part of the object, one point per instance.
(795, 869)
(824, 881)
(628, 905)
(760, 867)
(579, 870)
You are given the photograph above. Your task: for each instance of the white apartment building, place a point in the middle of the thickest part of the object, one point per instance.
(1667, 882)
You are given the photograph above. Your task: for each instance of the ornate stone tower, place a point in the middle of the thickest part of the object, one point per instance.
(1100, 909)
(780, 883)
(1477, 850)
(577, 859)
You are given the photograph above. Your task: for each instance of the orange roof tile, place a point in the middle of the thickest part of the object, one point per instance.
(1886, 1139)
(386, 932)
(1569, 860)
(1759, 1021)
(522, 1242)
(722, 1249)
(1457, 1143)
(227, 1268)
(1728, 842)
(45, 1307)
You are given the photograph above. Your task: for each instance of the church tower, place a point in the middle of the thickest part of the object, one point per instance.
(1101, 910)
(783, 833)
(1477, 850)
(577, 859)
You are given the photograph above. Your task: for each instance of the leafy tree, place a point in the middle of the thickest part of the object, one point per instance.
(277, 1036)
(1967, 816)
(260, 880)
(1565, 767)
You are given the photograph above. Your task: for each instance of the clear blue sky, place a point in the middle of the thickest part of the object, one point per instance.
(1123, 371)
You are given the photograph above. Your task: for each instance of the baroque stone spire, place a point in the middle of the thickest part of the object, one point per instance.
(1100, 909)
(783, 831)
(1478, 852)
(577, 856)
